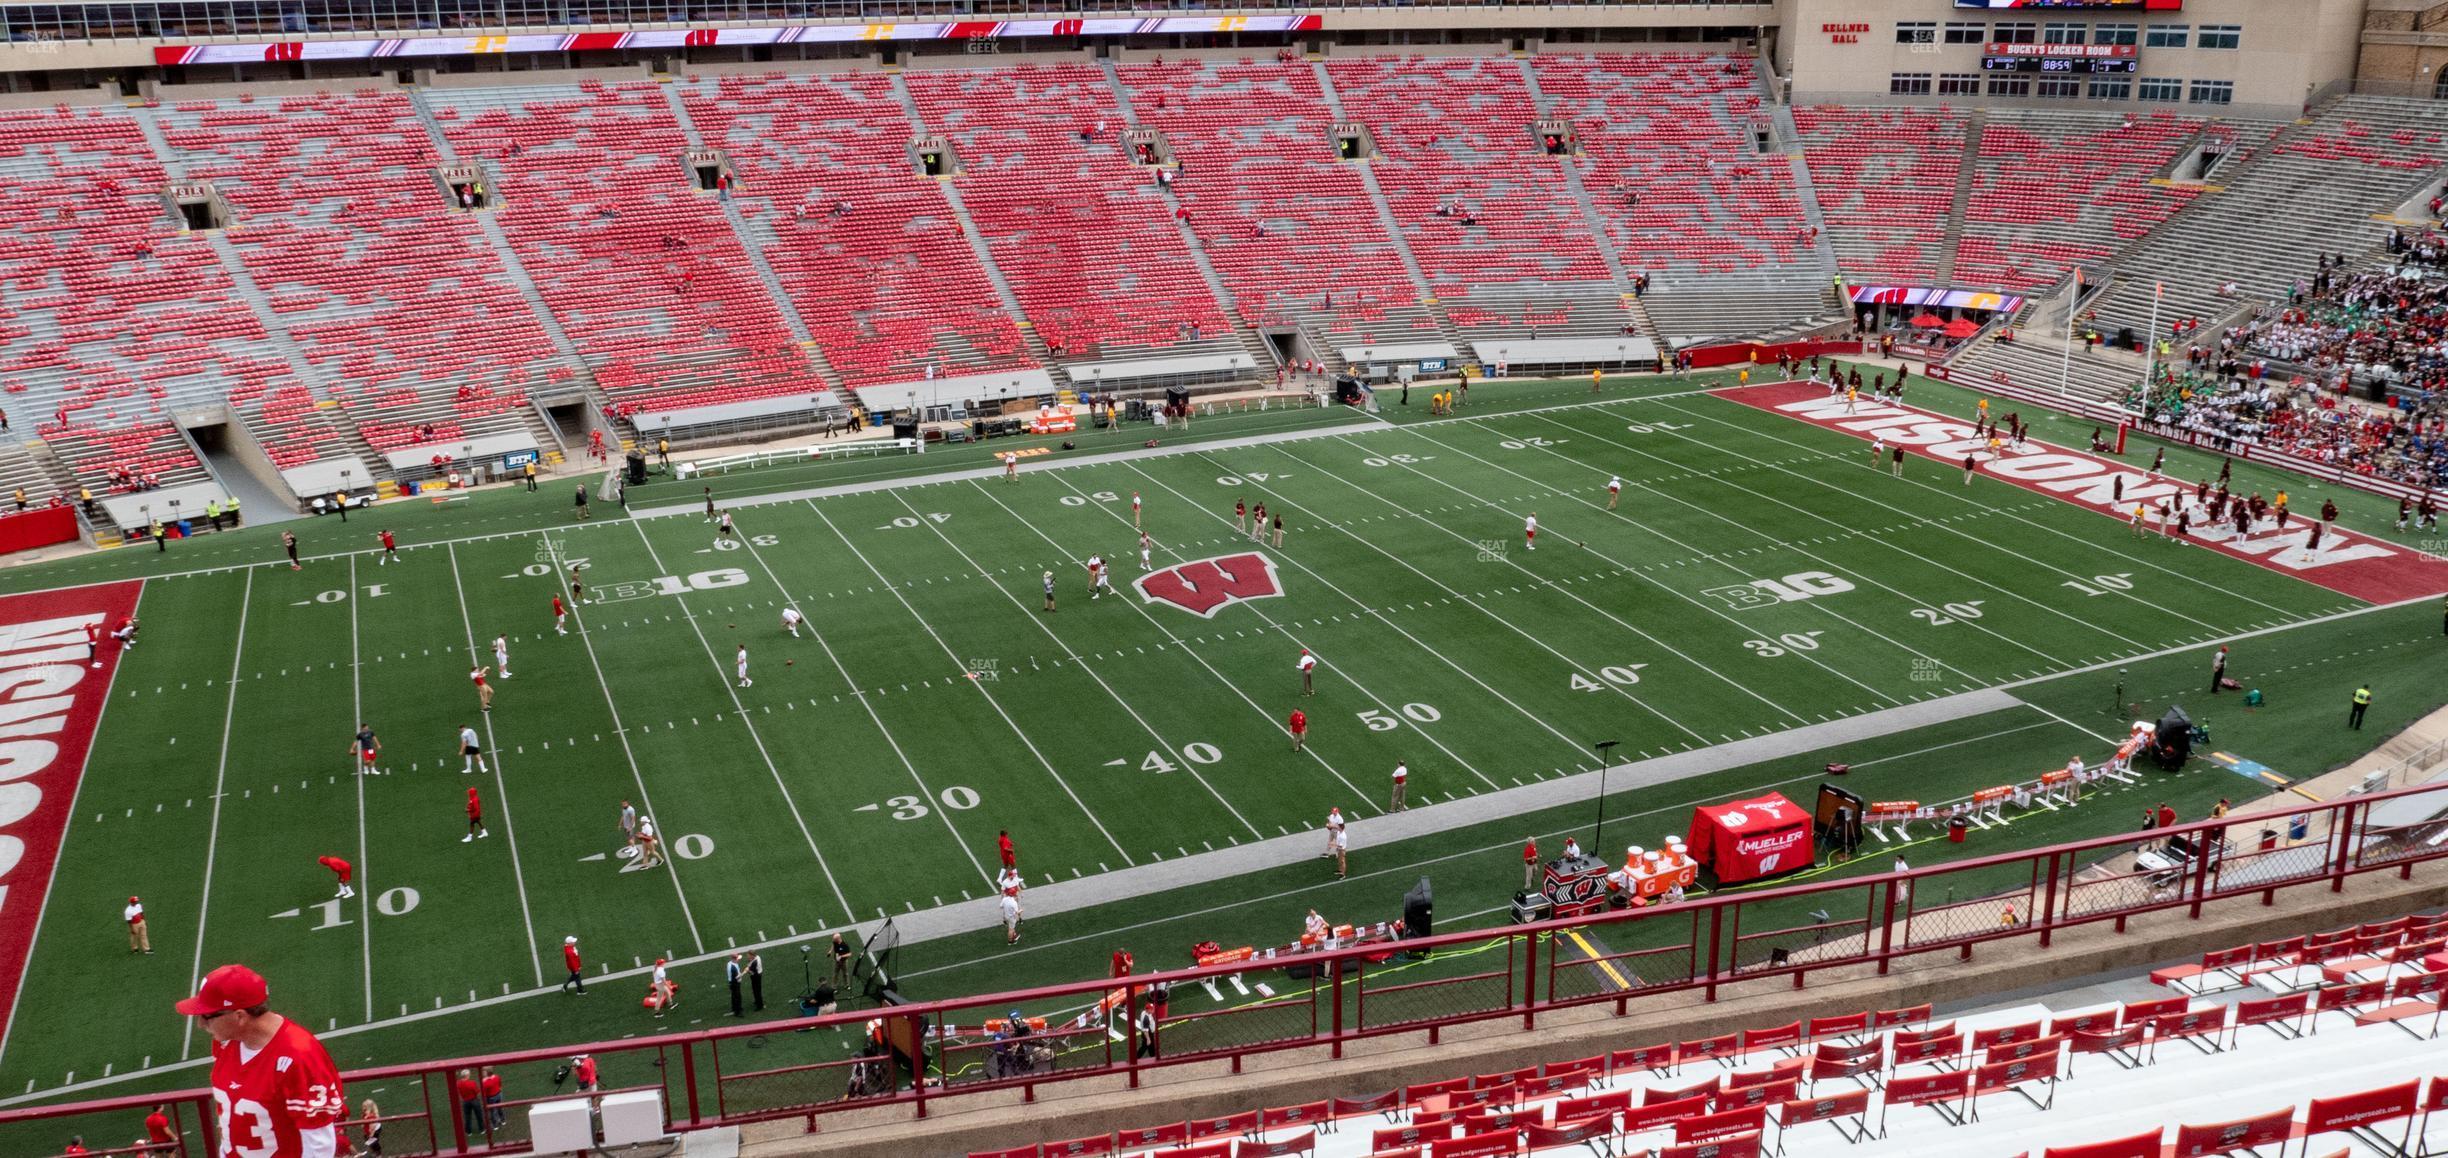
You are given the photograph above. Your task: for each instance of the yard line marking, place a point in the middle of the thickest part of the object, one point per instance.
(17, 998)
(212, 832)
(1186, 762)
(980, 685)
(1360, 799)
(1924, 485)
(928, 791)
(816, 936)
(753, 736)
(1813, 556)
(501, 783)
(1467, 601)
(637, 776)
(365, 900)
(1539, 580)
(1570, 496)
(1876, 538)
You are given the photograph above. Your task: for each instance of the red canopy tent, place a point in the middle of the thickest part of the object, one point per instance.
(1961, 328)
(1927, 321)
(1746, 840)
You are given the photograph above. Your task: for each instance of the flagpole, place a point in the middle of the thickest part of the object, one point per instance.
(2065, 365)
(2150, 349)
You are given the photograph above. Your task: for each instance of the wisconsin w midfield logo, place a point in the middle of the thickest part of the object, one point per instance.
(1205, 586)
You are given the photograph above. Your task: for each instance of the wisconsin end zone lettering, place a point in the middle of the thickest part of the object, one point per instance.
(1205, 586)
(50, 699)
(2347, 562)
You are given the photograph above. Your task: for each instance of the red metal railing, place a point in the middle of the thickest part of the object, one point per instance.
(811, 1066)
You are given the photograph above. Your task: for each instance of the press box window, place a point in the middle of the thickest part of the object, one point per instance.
(2116, 33)
(1962, 32)
(2162, 89)
(2220, 36)
(1959, 84)
(2061, 34)
(2018, 32)
(1909, 84)
(1916, 32)
(2213, 92)
(2166, 35)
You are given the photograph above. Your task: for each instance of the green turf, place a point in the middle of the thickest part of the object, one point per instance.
(865, 774)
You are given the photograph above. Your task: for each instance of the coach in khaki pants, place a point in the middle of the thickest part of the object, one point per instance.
(138, 940)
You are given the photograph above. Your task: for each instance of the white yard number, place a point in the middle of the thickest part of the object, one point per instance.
(733, 544)
(1419, 713)
(956, 798)
(2102, 584)
(904, 522)
(1952, 612)
(693, 846)
(330, 596)
(1621, 675)
(536, 570)
(1082, 500)
(1525, 443)
(1196, 753)
(1390, 460)
(1790, 641)
(392, 902)
(1234, 480)
(1655, 427)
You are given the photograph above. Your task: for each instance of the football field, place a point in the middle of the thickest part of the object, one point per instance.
(1758, 581)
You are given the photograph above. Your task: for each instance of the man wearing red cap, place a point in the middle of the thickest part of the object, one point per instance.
(1308, 673)
(274, 1087)
(139, 941)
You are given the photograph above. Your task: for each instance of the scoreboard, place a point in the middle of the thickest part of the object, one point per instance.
(2069, 59)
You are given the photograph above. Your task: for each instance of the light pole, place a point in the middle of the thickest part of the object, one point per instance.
(1598, 838)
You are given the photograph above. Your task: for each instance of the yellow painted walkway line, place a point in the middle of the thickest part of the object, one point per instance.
(1605, 966)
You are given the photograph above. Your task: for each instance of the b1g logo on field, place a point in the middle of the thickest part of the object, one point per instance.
(1793, 588)
(1203, 587)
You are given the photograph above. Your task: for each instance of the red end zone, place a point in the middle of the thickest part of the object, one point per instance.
(50, 699)
(2348, 562)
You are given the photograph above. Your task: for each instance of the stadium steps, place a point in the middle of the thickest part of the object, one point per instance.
(1037, 347)
(1385, 220)
(33, 468)
(2312, 189)
(2035, 360)
(1588, 207)
(753, 242)
(546, 435)
(1950, 239)
(1252, 343)
(350, 440)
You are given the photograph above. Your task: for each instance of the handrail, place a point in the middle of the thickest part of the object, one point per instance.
(1711, 943)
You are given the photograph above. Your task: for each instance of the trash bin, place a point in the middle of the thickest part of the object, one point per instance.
(1956, 829)
(2299, 826)
(2269, 839)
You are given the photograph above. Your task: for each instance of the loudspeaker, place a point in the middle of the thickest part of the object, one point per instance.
(637, 468)
(1418, 911)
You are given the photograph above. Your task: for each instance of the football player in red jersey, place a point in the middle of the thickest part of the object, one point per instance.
(274, 1087)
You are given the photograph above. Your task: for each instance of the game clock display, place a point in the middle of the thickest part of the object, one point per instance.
(2059, 64)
